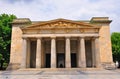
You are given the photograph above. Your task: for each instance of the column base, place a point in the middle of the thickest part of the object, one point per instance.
(108, 65)
(13, 66)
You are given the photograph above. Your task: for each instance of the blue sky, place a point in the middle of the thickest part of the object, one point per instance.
(68, 9)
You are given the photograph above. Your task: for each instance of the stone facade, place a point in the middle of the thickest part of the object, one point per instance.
(61, 43)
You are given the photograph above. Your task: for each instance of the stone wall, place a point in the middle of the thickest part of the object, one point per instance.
(105, 44)
(16, 43)
(16, 48)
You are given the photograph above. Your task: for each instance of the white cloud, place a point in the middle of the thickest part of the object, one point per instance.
(69, 9)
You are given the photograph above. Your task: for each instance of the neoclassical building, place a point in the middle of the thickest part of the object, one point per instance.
(61, 43)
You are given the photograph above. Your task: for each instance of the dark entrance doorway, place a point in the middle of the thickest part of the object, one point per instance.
(48, 60)
(73, 60)
(60, 60)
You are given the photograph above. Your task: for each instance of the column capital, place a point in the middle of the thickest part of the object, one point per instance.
(81, 37)
(96, 36)
(24, 37)
(67, 36)
(53, 37)
(39, 37)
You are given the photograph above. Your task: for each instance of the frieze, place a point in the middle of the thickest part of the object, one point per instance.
(60, 31)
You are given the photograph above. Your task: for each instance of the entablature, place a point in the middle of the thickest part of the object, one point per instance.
(61, 31)
(60, 26)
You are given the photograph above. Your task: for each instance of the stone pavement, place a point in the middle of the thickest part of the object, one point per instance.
(60, 74)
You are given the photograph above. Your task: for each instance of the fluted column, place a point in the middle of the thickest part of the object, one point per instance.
(28, 53)
(82, 59)
(38, 53)
(79, 53)
(67, 53)
(53, 52)
(93, 52)
(97, 52)
(24, 53)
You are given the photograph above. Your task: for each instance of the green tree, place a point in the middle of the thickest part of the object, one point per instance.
(5, 36)
(115, 38)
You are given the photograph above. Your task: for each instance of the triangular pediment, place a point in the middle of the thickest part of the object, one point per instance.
(60, 23)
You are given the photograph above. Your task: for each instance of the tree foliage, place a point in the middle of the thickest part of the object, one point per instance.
(115, 38)
(5, 36)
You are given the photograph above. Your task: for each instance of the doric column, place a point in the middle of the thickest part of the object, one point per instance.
(97, 52)
(82, 60)
(43, 54)
(38, 53)
(53, 52)
(78, 53)
(67, 53)
(24, 53)
(28, 53)
(93, 52)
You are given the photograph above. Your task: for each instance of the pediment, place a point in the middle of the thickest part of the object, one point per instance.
(60, 23)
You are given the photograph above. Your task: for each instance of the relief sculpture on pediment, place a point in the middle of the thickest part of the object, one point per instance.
(60, 25)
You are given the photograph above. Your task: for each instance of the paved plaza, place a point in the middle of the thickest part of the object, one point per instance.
(60, 74)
